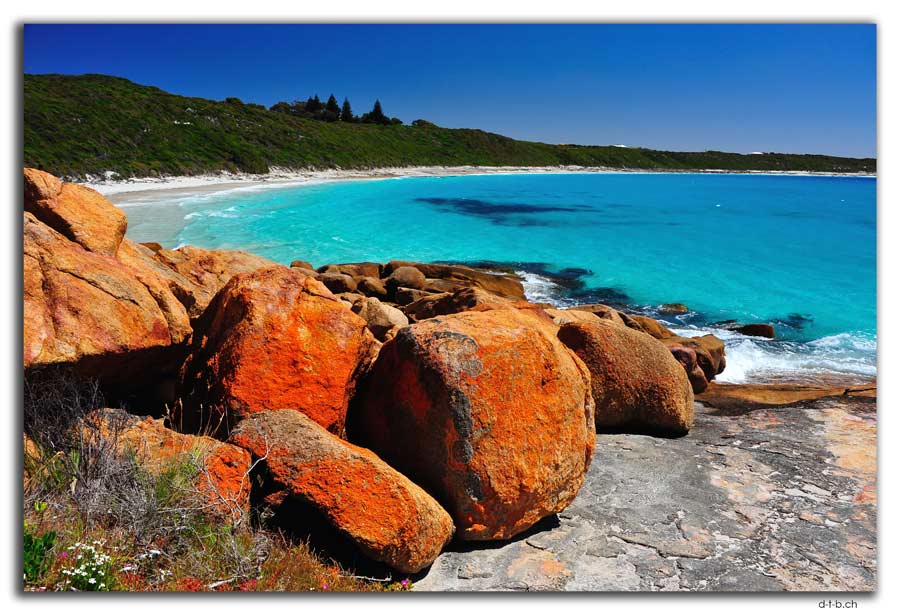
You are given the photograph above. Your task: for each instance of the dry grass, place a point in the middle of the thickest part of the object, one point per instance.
(154, 526)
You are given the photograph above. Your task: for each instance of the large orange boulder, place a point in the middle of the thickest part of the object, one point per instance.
(274, 338)
(219, 472)
(636, 382)
(487, 411)
(78, 213)
(195, 275)
(88, 308)
(386, 515)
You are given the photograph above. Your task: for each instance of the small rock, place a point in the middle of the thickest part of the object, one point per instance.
(673, 309)
(405, 277)
(337, 282)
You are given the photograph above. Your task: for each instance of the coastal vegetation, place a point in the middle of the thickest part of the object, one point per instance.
(76, 126)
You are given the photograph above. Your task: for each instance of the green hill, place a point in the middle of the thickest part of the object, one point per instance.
(88, 124)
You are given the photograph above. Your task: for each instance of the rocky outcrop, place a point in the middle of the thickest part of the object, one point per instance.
(650, 326)
(354, 270)
(405, 277)
(196, 275)
(500, 284)
(687, 357)
(709, 349)
(381, 511)
(757, 330)
(372, 287)
(600, 311)
(78, 213)
(774, 500)
(636, 382)
(379, 317)
(221, 479)
(337, 282)
(462, 300)
(272, 339)
(740, 397)
(109, 319)
(561, 317)
(673, 309)
(487, 411)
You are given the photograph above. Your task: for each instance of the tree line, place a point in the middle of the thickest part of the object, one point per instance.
(330, 111)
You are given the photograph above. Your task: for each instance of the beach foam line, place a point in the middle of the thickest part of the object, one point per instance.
(107, 184)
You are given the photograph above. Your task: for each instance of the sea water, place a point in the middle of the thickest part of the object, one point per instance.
(795, 251)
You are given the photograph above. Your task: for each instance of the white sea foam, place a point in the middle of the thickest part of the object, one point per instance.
(539, 289)
(846, 357)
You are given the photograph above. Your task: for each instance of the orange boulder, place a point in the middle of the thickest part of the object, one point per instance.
(198, 274)
(90, 308)
(79, 213)
(274, 338)
(636, 381)
(381, 511)
(486, 410)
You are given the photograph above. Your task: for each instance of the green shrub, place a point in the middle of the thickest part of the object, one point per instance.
(36, 548)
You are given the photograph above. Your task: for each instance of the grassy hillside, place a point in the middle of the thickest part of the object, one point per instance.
(88, 124)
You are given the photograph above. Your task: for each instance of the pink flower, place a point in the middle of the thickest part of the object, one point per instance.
(63, 555)
(404, 582)
(324, 585)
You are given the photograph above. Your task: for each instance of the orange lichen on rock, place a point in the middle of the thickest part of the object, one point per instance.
(272, 339)
(486, 410)
(195, 275)
(381, 511)
(636, 382)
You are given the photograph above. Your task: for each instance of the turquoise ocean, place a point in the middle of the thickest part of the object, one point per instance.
(795, 251)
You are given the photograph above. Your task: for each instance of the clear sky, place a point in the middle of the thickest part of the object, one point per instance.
(743, 88)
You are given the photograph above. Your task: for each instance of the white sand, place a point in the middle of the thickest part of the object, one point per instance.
(149, 188)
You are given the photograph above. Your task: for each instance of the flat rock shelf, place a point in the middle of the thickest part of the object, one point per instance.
(768, 500)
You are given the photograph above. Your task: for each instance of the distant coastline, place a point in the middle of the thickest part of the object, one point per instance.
(130, 190)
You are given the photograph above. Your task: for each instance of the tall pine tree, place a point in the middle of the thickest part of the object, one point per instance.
(347, 112)
(376, 115)
(331, 106)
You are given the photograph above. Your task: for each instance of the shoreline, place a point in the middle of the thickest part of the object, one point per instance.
(123, 191)
(134, 193)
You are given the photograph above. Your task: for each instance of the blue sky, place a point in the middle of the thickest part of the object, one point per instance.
(787, 88)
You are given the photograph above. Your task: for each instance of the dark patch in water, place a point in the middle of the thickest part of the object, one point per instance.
(793, 321)
(509, 214)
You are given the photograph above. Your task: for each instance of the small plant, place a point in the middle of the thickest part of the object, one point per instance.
(36, 548)
(91, 570)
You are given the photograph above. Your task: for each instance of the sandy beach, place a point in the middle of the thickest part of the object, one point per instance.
(125, 191)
